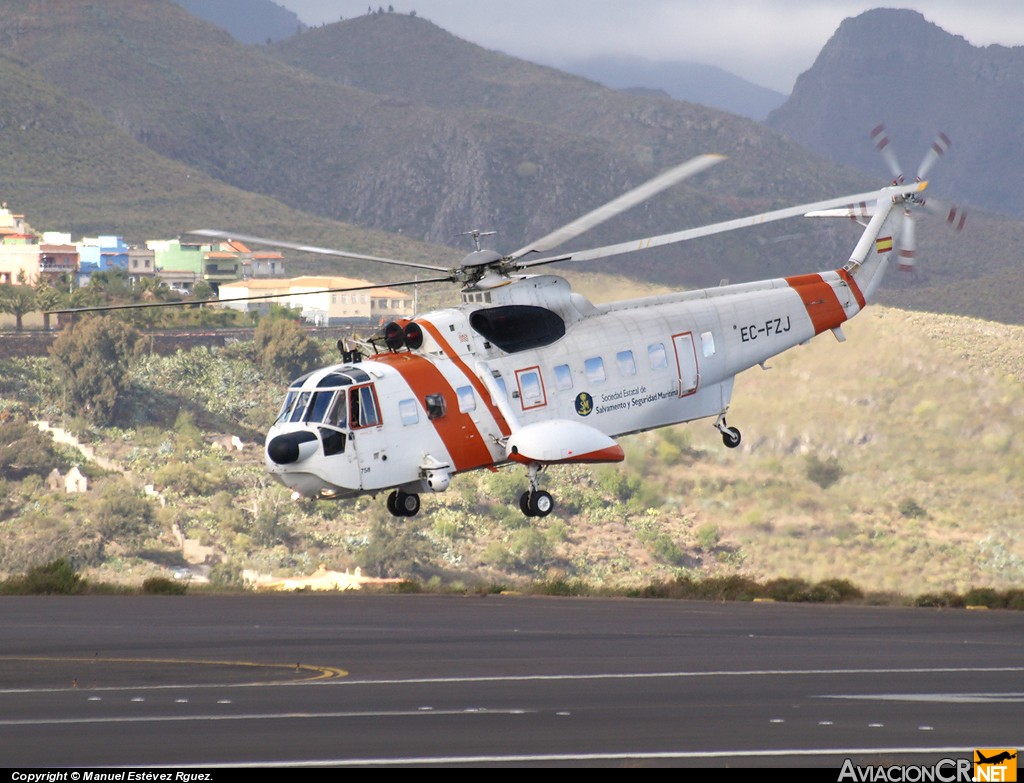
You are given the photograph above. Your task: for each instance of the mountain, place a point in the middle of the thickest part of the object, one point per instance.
(248, 21)
(388, 122)
(475, 139)
(684, 81)
(895, 67)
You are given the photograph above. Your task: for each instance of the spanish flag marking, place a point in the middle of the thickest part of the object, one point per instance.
(883, 244)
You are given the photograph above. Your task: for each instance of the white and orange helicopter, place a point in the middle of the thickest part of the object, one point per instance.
(527, 371)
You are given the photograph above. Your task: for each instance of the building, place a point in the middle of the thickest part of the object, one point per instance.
(141, 263)
(19, 250)
(319, 302)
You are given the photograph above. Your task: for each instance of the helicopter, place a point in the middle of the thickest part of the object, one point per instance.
(526, 371)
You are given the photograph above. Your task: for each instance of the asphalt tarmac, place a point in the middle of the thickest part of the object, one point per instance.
(418, 680)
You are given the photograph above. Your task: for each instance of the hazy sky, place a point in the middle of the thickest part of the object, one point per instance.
(768, 42)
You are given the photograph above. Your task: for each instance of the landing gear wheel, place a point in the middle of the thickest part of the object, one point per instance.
(541, 504)
(731, 437)
(401, 504)
(524, 504)
(409, 504)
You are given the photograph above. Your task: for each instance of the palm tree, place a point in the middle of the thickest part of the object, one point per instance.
(17, 300)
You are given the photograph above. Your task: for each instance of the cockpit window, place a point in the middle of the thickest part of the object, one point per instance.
(320, 405)
(286, 408)
(338, 416)
(300, 407)
(332, 379)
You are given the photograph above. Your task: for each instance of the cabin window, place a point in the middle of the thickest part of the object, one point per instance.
(467, 400)
(563, 377)
(409, 412)
(531, 389)
(594, 368)
(707, 342)
(362, 403)
(626, 362)
(434, 404)
(657, 356)
(500, 383)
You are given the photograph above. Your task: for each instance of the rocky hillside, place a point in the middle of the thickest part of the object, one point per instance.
(388, 122)
(895, 67)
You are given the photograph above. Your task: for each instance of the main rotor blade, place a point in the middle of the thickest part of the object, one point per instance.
(728, 225)
(324, 251)
(201, 302)
(618, 205)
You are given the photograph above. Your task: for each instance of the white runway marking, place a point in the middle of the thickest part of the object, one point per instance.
(597, 757)
(341, 683)
(941, 698)
(258, 716)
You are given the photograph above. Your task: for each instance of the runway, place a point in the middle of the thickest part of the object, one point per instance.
(370, 680)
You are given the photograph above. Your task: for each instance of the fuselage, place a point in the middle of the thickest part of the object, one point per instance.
(525, 351)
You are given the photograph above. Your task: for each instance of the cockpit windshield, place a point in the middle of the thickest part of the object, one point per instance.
(328, 403)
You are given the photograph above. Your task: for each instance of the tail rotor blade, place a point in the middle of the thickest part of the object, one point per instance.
(954, 216)
(940, 144)
(908, 243)
(881, 138)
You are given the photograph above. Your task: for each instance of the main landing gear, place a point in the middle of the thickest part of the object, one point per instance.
(403, 504)
(730, 435)
(535, 502)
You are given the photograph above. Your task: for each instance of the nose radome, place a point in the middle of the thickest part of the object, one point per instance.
(284, 449)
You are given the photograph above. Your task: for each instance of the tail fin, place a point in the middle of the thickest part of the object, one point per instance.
(871, 256)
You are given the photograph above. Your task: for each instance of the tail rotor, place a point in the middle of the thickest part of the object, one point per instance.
(954, 216)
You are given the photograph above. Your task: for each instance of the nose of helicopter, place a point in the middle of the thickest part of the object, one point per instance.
(287, 448)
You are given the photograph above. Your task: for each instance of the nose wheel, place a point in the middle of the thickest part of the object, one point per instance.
(403, 504)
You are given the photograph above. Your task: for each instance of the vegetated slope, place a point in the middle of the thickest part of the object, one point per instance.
(893, 460)
(894, 66)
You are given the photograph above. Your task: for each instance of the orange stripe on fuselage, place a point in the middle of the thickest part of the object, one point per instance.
(470, 376)
(820, 300)
(457, 430)
(857, 293)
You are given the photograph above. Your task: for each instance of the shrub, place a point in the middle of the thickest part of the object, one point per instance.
(984, 596)
(910, 509)
(708, 536)
(788, 589)
(159, 585)
(54, 578)
(838, 591)
(824, 473)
